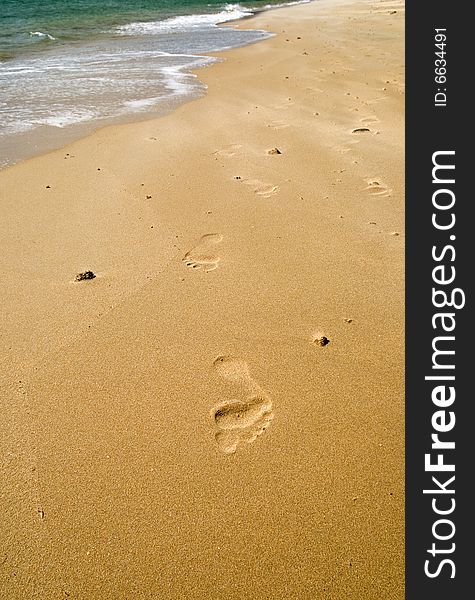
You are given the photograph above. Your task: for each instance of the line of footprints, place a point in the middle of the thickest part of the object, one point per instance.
(241, 421)
(237, 421)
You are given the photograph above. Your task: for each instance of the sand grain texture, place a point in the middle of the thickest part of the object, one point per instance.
(134, 464)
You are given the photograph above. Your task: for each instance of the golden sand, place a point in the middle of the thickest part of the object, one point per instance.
(218, 413)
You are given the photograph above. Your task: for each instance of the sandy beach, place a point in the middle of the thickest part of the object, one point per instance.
(219, 413)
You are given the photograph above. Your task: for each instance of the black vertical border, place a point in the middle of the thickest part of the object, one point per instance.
(430, 129)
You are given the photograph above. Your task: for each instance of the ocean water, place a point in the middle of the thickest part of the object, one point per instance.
(70, 64)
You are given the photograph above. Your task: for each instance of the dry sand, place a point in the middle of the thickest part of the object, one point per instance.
(219, 413)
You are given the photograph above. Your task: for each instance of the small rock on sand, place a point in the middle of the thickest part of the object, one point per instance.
(321, 341)
(85, 275)
(274, 151)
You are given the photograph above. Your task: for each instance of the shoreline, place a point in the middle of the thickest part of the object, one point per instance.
(219, 413)
(42, 143)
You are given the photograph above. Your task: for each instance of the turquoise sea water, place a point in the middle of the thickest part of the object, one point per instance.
(70, 62)
(31, 24)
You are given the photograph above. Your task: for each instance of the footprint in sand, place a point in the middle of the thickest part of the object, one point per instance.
(369, 120)
(376, 100)
(201, 256)
(287, 103)
(260, 188)
(240, 421)
(278, 125)
(377, 188)
(237, 414)
(348, 147)
(228, 151)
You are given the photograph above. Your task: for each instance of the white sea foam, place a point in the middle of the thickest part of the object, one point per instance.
(141, 69)
(66, 117)
(230, 13)
(142, 103)
(229, 7)
(44, 36)
(178, 82)
(284, 4)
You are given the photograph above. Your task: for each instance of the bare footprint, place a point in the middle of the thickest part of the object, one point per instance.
(377, 188)
(201, 257)
(235, 370)
(376, 100)
(287, 103)
(228, 440)
(228, 151)
(278, 125)
(237, 414)
(240, 421)
(347, 147)
(369, 120)
(260, 188)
